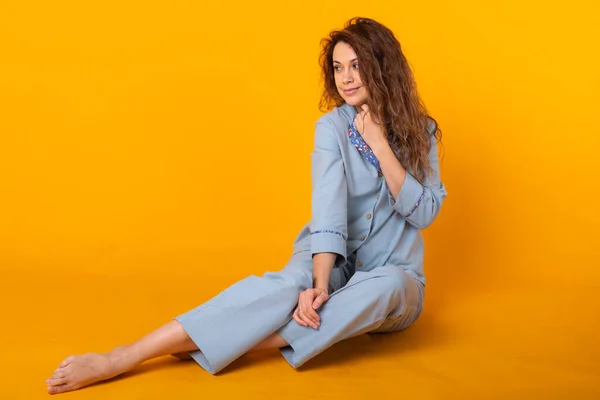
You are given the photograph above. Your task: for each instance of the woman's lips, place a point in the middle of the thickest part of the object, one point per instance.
(351, 91)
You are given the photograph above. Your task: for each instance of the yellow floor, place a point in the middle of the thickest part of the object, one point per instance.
(506, 343)
(169, 165)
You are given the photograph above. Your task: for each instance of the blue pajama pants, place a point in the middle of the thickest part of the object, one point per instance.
(383, 299)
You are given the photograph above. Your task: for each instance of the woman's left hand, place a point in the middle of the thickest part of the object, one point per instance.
(309, 302)
(372, 132)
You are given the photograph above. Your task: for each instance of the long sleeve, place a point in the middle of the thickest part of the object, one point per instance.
(329, 223)
(420, 204)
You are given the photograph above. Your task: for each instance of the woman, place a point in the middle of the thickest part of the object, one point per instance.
(357, 266)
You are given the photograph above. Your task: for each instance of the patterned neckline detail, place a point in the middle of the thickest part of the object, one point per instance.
(362, 146)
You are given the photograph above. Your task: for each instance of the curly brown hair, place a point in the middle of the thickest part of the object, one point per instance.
(392, 90)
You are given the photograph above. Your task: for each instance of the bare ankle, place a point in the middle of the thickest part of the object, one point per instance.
(124, 357)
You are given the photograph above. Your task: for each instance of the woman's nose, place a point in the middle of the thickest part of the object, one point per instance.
(348, 77)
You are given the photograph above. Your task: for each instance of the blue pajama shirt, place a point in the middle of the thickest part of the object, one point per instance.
(377, 283)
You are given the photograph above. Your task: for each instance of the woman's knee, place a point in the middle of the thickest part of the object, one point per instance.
(399, 290)
(406, 299)
(398, 322)
(392, 279)
(292, 276)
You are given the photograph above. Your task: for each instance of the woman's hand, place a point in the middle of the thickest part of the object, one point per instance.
(309, 301)
(372, 132)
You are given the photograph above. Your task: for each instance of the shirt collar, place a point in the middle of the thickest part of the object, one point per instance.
(349, 112)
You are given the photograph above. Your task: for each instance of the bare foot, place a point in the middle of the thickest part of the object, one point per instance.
(76, 372)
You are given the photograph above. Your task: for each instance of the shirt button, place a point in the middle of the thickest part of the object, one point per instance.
(362, 237)
(380, 174)
(368, 216)
(377, 195)
(359, 264)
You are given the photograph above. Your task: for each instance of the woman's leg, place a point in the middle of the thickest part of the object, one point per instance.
(242, 318)
(78, 371)
(384, 299)
(245, 314)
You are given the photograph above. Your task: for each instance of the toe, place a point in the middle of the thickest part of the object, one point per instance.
(56, 381)
(56, 374)
(66, 361)
(60, 388)
(54, 389)
(59, 373)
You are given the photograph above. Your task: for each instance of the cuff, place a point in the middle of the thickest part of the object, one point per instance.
(328, 241)
(410, 196)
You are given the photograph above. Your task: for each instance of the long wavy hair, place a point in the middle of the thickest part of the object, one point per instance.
(393, 95)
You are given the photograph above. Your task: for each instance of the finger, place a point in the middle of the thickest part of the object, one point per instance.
(297, 318)
(307, 307)
(366, 118)
(358, 123)
(321, 298)
(305, 319)
(365, 108)
(304, 315)
(308, 310)
(305, 298)
(299, 307)
(362, 116)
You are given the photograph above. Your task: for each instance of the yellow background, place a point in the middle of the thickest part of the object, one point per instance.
(153, 152)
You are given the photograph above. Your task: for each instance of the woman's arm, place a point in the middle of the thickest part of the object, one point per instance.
(329, 222)
(418, 203)
(322, 266)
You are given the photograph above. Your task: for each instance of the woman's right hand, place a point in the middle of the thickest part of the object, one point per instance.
(308, 302)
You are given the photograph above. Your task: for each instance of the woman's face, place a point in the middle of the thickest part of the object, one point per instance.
(347, 78)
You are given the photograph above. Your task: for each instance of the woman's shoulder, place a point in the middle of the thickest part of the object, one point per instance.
(431, 126)
(338, 118)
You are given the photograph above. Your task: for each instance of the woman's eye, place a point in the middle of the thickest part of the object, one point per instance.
(337, 68)
(355, 65)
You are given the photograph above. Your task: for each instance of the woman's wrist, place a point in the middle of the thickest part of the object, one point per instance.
(322, 287)
(322, 266)
(382, 149)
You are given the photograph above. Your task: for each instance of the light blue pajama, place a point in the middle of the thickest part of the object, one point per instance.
(377, 284)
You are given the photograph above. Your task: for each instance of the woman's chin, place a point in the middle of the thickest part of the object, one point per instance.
(354, 101)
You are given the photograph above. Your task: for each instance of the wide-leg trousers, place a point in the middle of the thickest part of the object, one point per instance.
(383, 299)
